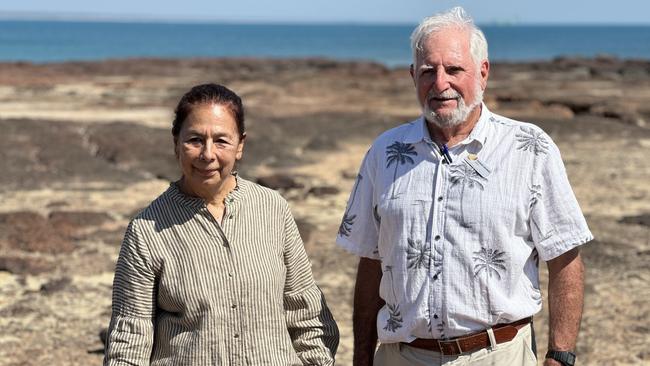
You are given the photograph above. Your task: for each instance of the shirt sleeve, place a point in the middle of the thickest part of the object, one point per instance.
(130, 333)
(556, 221)
(359, 229)
(311, 326)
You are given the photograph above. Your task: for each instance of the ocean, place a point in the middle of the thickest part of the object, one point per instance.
(54, 41)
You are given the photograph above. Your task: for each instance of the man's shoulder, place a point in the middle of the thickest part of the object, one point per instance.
(506, 129)
(506, 123)
(398, 133)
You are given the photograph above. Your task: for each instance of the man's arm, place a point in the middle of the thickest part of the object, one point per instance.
(566, 298)
(366, 306)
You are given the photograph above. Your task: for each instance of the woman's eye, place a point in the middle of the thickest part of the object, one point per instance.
(194, 141)
(222, 143)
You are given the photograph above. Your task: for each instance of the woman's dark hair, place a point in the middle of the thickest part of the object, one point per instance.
(208, 94)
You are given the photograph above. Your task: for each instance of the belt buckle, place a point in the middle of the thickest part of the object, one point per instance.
(444, 344)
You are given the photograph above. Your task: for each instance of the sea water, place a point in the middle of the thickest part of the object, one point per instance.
(52, 41)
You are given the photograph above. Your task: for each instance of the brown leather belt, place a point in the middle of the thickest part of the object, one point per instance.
(502, 333)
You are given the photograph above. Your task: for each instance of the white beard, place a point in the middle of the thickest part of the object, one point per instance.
(458, 115)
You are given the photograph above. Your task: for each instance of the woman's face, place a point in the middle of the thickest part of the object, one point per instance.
(207, 147)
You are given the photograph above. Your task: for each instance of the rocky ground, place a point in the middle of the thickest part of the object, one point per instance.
(84, 146)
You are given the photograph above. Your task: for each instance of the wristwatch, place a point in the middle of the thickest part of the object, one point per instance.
(566, 358)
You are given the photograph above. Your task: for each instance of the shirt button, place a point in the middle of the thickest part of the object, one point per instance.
(236, 336)
(233, 306)
(439, 198)
(437, 237)
(229, 274)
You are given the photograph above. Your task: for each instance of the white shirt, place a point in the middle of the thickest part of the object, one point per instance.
(459, 243)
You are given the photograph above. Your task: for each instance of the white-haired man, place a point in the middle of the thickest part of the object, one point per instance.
(450, 214)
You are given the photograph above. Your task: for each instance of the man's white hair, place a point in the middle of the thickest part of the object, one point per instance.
(454, 17)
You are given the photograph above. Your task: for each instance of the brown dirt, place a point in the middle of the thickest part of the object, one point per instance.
(86, 145)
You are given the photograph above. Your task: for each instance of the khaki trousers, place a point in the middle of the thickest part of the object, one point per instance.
(517, 352)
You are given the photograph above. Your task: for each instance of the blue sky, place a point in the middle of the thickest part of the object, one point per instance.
(363, 11)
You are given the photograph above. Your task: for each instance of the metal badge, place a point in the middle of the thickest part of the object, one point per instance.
(480, 168)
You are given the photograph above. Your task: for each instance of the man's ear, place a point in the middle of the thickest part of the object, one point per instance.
(485, 72)
(412, 72)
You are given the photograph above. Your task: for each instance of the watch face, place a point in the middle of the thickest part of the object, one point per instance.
(571, 359)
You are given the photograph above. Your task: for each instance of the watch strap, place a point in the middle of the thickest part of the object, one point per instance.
(567, 358)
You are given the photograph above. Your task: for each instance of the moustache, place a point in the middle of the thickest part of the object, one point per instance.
(447, 94)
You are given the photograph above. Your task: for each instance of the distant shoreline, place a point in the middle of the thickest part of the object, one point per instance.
(45, 41)
(573, 60)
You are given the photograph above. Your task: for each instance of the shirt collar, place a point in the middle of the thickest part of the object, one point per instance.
(479, 132)
(418, 131)
(197, 203)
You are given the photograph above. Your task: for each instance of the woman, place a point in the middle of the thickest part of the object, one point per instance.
(213, 272)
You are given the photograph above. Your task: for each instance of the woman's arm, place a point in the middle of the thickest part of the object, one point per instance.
(130, 334)
(310, 323)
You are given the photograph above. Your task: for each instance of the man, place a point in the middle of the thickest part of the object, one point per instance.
(450, 214)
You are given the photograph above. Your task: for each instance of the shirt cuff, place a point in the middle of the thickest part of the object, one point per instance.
(356, 249)
(557, 245)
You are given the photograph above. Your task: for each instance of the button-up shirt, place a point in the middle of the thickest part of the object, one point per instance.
(191, 291)
(459, 237)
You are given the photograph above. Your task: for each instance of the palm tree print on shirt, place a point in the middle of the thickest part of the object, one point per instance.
(531, 140)
(467, 177)
(490, 261)
(428, 316)
(375, 213)
(399, 153)
(440, 325)
(417, 255)
(348, 220)
(535, 196)
(536, 257)
(395, 320)
(437, 262)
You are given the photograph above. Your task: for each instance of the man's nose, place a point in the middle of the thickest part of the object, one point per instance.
(441, 82)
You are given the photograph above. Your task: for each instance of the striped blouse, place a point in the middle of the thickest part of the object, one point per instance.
(191, 291)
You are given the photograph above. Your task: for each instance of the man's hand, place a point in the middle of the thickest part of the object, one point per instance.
(366, 306)
(566, 298)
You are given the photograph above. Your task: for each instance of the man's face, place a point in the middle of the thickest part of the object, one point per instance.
(448, 81)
